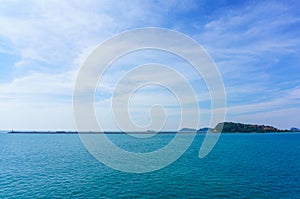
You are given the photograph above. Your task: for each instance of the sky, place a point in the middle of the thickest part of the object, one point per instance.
(254, 44)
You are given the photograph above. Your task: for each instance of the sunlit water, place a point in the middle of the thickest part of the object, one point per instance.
(240, 166)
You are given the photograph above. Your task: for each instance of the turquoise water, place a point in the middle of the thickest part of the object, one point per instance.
(240, 166)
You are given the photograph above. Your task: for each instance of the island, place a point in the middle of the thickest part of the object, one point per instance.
(188, 130)
(294, 129)
(232, 127)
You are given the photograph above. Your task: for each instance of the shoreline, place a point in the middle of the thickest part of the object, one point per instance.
(121, 133)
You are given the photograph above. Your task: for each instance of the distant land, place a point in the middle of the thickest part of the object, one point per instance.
(204, 130)
(232, 127)
(187, 130)
(295, 129)
(224, 127)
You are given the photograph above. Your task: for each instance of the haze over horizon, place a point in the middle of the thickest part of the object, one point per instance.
(255, 45)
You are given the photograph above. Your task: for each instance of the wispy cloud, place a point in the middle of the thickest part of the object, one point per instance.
(250, 44)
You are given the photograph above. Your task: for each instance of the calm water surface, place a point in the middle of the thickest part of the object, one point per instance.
(240, 166)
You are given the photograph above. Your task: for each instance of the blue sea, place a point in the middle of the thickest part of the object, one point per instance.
(240, 166)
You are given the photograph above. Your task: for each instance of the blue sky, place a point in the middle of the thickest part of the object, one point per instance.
(255, 45)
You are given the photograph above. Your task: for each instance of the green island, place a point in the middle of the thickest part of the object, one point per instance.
(232, 127)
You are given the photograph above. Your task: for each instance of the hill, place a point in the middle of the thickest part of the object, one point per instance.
(231, 127)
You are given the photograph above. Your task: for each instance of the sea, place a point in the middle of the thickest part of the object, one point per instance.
(239, 166)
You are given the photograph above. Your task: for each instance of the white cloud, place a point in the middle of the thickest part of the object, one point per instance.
(38, 84)
(55, 32)
(252, 31)
(52, 38)
(36, 115)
